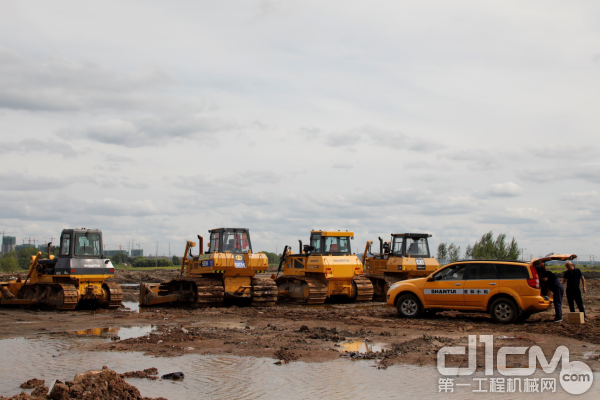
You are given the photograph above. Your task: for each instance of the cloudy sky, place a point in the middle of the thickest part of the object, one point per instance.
(156, 121)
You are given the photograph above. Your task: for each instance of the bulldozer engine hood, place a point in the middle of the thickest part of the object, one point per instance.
(84, 266)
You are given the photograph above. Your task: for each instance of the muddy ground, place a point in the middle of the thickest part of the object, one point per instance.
(311, 334)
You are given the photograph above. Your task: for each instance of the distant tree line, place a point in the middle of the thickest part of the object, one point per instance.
(141, 262)
(19, 260)
(487, 248)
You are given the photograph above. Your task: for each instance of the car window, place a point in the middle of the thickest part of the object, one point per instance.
(512, 271)
(481, 271)
(453, 273)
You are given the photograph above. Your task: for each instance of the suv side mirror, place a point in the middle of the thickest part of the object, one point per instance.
(430, 278)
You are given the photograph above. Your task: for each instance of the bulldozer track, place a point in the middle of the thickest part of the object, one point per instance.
(317, 289)
(116, 295)
(264, 292)
(209, 292)
(62, 297)
(364, 288)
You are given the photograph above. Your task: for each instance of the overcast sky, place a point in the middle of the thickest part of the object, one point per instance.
(158, 120)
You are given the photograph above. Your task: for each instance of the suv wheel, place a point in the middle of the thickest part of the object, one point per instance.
(409, 306)
(504, 311)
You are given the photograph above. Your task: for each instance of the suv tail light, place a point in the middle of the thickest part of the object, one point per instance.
(534, 282)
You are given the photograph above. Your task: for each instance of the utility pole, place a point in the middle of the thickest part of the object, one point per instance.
(522, 254)
(169, 251)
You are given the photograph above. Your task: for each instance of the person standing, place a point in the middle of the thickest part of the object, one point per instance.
(550, 282)
(574, 278)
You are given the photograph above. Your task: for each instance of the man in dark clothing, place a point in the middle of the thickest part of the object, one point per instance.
(573, 278)
(551, 283)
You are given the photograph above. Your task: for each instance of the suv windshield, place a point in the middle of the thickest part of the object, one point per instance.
(87, 244)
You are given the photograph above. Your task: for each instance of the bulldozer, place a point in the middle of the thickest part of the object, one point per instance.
(225, 274)
(405, 256)
(77, 278)
(325, 269)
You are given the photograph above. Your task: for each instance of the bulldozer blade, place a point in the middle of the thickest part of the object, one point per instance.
(149, 295)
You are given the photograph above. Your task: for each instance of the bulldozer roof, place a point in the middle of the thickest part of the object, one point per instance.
(334, 233)
(229, 229)
(415, 235)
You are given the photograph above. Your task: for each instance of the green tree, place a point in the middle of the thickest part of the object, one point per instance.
(453, 252)
(273, 258)
(119, 259)
(176, 260)
(468, 252)
(513, 250)
(24, 256)
(489, 249)
(442, 251)
(9, 262)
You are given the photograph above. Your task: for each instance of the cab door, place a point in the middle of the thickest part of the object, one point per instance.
(446, 288)
(481, 283)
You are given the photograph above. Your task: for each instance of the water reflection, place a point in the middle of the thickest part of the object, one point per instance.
(120, 332)
(361, 346)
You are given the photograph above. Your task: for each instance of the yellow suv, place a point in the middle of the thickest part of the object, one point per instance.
(508, 290)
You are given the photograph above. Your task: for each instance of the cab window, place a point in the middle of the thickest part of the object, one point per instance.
(87, 244)
(335, 244)
(417, 247)
(453, 273)
(65, 245)
(315, 243)
(397, 246)
(236, 242)
(481, 271)
(215, 242)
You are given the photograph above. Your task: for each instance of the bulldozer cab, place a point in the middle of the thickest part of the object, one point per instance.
(81, 253)
(413, 245)
(232, 240)
(330, 242)
(79, 243)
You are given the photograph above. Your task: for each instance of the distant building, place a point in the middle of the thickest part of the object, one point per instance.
(110, 253)
(137, 252)
(8, 244)
(20, 247)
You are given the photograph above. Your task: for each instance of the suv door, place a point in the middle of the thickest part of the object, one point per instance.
(481, 283)
(446, 287)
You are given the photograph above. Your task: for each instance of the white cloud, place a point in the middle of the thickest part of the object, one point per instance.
(507, 189)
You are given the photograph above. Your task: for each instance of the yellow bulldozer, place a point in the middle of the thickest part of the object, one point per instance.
(74, 279)
(226, 273)
(325, 269)
(406, 256)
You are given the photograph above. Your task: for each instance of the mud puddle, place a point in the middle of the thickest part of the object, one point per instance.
(229, 377)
